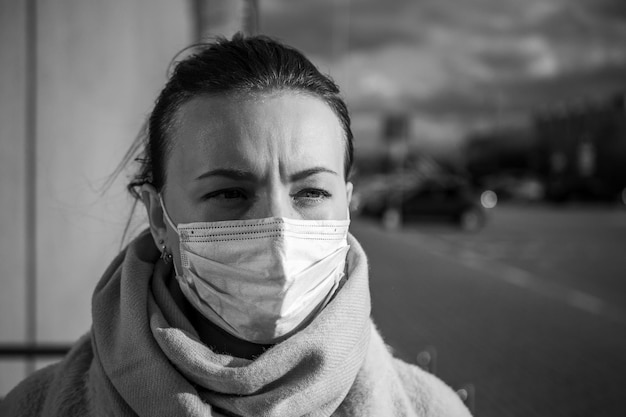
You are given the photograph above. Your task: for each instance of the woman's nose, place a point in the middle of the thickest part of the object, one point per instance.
(273, 204)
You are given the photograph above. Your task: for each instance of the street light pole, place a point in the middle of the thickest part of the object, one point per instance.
(224, 18)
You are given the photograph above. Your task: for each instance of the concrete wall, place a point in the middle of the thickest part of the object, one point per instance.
(100, 65)
(12, 182)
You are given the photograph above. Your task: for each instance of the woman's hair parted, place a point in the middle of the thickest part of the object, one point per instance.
(242, 65)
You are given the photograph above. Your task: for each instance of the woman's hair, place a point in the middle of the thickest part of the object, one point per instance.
(240, 66)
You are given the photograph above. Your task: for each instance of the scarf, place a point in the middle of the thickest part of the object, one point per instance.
(144, 358)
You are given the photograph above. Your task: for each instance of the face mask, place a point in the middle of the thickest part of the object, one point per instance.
(261, 280)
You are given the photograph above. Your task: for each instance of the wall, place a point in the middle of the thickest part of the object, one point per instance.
(99, 67)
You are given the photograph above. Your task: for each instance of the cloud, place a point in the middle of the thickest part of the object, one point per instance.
(391, 73)
(528, 56)
(458, 56)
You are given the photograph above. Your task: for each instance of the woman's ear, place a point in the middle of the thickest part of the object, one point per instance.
(349, 188)
(151, 200)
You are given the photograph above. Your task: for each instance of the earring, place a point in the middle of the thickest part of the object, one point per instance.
(165, 255)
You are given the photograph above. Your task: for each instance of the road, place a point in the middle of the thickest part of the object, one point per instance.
(531, 310)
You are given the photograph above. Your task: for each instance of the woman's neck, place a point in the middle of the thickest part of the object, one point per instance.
(212, 335)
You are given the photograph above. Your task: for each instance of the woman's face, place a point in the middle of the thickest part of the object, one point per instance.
(273, 155)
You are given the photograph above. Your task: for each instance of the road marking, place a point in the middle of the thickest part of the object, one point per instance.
(527, 280)
(517, 277)
(521, 278)
(586, 302)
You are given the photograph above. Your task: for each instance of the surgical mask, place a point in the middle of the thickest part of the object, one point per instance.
(261, 280)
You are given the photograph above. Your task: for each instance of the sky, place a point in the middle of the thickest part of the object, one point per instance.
(458, 65)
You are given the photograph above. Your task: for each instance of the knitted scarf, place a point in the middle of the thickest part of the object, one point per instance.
(144, 358)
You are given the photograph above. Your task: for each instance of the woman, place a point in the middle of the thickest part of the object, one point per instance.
(247, 296)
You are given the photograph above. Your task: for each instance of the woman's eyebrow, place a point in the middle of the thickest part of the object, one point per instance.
(300, 175)
(239, 174)
(236, 174)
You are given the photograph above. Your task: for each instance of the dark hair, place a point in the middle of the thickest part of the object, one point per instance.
(242, 65)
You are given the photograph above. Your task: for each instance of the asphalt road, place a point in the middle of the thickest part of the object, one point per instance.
(531, 310)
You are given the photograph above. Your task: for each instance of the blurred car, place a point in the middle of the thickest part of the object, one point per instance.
(440, 199)
(518, 188)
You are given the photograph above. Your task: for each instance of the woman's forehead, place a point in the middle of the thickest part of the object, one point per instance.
(286, 129)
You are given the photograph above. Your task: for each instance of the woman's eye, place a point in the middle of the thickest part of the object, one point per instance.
(228, 194)
(312, 194)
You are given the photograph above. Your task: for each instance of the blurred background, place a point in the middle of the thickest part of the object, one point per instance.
(490, 180)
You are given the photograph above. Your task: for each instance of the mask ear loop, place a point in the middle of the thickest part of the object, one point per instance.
(166, 216)
(165, 255)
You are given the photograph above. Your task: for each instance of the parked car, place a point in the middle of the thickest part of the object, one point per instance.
(440, 199)
(519, 188)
